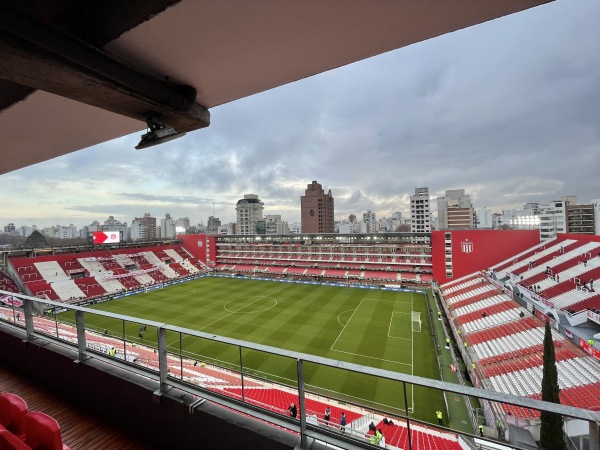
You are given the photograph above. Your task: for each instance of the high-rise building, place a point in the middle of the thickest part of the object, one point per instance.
(183, 222)
(420, 214)
(316, 210)
(213, 225)
(370, 220)
(580, 219)
(455, 210)
(484, 218)
(249, 211)
(145, 228)
(167, 228)
(552, 219)
(274, 224)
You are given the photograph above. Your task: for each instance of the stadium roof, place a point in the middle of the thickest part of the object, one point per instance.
(74, 74)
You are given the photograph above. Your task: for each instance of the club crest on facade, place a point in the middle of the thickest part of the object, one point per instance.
(466, 246)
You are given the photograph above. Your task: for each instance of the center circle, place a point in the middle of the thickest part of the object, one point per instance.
(248, 305)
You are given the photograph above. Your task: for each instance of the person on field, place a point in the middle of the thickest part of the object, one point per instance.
(439, 415)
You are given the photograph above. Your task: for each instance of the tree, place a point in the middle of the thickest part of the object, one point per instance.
(551, 433)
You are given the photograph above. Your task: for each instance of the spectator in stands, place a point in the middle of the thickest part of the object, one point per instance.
(592, 284)
(327, 416)
(292, 410)
(343, 422)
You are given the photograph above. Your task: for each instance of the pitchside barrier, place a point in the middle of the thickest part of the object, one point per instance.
(168, 367)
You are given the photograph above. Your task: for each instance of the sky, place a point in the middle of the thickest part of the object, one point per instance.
(508, 110)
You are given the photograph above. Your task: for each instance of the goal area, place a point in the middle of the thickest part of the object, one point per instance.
(416, 320)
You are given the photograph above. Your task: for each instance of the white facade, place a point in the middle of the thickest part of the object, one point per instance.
(138, 231)
(371, 222)
(61, 232)
(453, 198)
(167, 228)
(420, 214)
(596, 203)
(295, 228)
(484, 218)
(553, 219)
(248, 210)
(274, 224)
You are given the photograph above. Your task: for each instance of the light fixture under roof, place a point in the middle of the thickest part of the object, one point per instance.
(158, 133)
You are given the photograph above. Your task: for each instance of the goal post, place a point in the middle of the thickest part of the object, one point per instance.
(416, 320)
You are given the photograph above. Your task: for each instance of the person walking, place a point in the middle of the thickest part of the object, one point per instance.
(343, 422)
(447, 342)
(480, 430)
(327, 416)
(381, 442)
(439, 415)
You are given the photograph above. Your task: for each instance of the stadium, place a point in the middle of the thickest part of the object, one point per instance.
(239, 308)
(398, 340)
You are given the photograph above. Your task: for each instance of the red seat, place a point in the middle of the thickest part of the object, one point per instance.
(43, 432)
(9, 441)
(13, 410)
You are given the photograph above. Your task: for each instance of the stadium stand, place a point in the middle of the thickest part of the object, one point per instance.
(72, 277)
(505, 345)
(389, 263)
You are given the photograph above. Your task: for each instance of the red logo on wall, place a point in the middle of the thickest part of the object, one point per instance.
(466, 246)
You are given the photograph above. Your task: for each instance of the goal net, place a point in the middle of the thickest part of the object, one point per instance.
(416, 320)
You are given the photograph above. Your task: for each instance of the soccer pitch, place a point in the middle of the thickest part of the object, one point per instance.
(370, 327)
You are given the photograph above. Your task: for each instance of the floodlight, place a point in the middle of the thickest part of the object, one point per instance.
(158, 133)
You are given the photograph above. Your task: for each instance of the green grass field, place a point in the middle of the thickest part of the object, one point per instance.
(362, 326)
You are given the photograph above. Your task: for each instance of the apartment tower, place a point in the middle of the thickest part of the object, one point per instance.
(316, 208)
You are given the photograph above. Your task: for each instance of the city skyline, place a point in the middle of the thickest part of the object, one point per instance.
(506, 110)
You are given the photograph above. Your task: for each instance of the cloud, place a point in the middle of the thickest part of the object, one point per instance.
(507, 110)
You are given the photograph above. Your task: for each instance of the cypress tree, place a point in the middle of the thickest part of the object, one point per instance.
(551, 433)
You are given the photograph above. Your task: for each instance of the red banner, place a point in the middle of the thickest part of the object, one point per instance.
(588, 348)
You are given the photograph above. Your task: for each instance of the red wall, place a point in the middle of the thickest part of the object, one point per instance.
(201, 246)
(488, 247)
